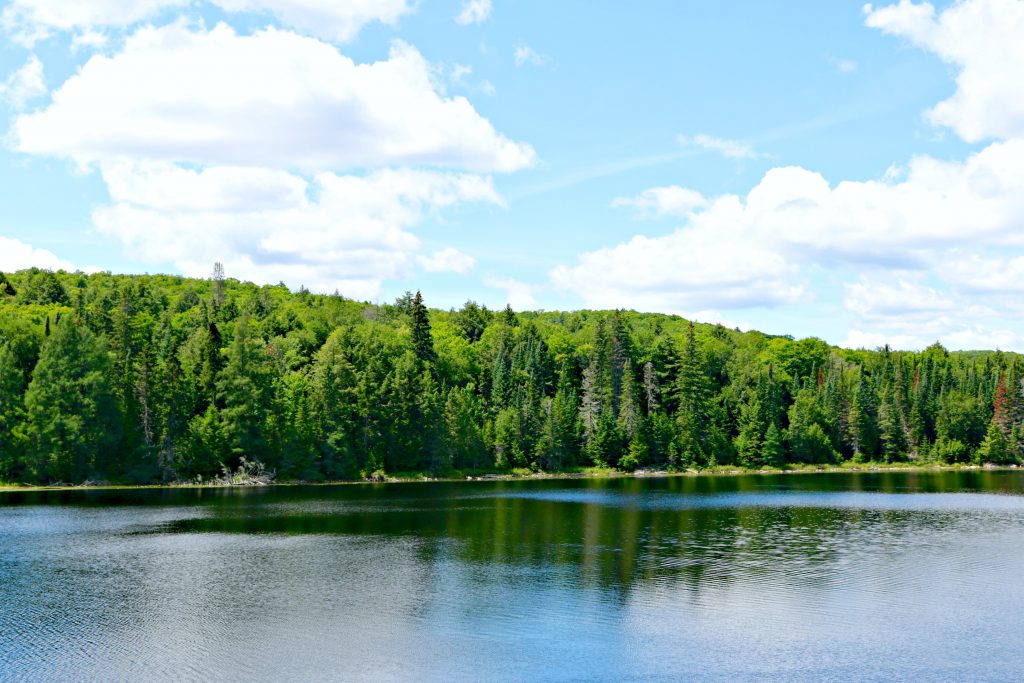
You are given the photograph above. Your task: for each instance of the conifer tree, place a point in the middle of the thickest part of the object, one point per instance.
(422, 341)
(864, 421)
(12, 415)
(72, 413)
(693, 392)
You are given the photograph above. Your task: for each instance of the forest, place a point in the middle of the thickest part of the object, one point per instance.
(158, 379)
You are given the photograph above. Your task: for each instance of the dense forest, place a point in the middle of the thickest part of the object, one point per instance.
(162, 378)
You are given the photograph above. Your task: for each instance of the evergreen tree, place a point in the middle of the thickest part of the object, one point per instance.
(463, 420)
(694, 394)
(12, 415)
(864, 421)
(244, 389)
(72, 414)
(422, 342)
(996, 448)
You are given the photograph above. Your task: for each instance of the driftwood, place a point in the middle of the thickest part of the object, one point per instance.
(249, 473)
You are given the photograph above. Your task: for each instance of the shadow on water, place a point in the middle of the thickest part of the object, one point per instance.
(755, 577)
(609, 533)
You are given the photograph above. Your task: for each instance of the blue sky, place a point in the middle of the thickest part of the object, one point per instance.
(832, 169)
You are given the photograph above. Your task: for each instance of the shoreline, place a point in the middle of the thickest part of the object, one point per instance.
(586, 473)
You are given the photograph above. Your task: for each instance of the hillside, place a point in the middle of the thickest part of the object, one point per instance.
(162, 378)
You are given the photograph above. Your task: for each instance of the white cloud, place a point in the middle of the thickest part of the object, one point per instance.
(709, 265)
(845, 66)
(273, 98)
(25, 84)
(89, 40)
(524, 54)
(28, 21)
(904, 312)
(960, 336)
(733, 149)
(737, 252)
(447, 260)
(902, 300)
(473, 12)
(981, 274)
(344, 232)
(16, 255)
(657, 202)
(459, 72)
(216, 146)
(327, 19)
(519, 295)
(982, 38)
(31, 20)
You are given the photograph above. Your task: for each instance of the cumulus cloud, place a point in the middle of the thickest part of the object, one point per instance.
(25, 84)
(458, 73)
(901, 300)
(447, 260)
(524, 54)
(982, 39)
(31, 20)
(336, 231)
(327, 19)
(959, 222)
(845, 66)
(272, 98)
(473, 12)
(28, 21)
(89, 39)
(911, 310)
(690, 269)
(657, 202)
(756, 250)
(16, 255)
(733, 149)
(518, 294)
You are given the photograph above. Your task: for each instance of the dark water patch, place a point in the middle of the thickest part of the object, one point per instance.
(871, 576)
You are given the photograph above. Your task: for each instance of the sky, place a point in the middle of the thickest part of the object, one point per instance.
(833, 169)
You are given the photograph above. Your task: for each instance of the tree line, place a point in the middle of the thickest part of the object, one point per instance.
(161, 378)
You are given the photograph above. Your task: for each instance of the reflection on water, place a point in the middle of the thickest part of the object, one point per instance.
(861, 576)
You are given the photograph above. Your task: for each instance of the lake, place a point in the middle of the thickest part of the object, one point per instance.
(860, 576)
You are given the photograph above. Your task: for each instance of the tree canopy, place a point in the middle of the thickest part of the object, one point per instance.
(163, 378)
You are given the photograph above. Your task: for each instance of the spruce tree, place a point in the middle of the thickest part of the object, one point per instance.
(422, 341)
(73, 419)
(694, 394)
(864, 421)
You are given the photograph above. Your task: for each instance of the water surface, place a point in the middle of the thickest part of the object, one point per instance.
(869, 576)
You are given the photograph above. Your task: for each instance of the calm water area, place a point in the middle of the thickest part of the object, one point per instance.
(915, 576)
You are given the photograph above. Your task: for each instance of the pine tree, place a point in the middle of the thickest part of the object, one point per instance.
(422, 341)
(508, 316)
(773, 453)
(12, 415)
(244, 389)
(1001, 409)
(463, 420)
(864, 421)
(629, 407)
(996, 448)
(893, 437)
(693, 390)
(72, 414)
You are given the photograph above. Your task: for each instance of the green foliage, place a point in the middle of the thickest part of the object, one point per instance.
(72, 418)
(162, 378)
(997, 447)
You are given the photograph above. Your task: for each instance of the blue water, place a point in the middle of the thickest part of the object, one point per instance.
(871, 576)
